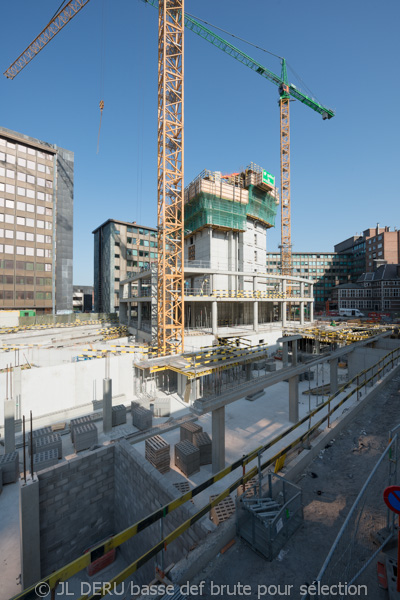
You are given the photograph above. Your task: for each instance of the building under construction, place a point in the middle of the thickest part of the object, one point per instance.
(227, 290)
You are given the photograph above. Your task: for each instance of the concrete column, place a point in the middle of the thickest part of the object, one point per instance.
(248, 371)
(29, 527)
(214, 317)
(285, 354)
(317, 347)
(255, 315)
(17, 388)
(333, 364)
(284, 321)
(107, 405)
(211, 279)
(312, 303)
(129, 313)
(9, 426)
(294, 353)
(301, 313)
(218, 439)
(294, 399)
(139, 314)
(255, 280)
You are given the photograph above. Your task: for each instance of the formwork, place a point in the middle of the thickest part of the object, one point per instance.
(266, 517)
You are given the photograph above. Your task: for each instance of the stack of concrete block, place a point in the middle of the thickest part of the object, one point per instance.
(38, 433)
(142, 418)
(270, 365)
(187, 457)
(49, 442)
(188, 430)
(77, 423)
(202, 441)
(118, 415)
(85, 436)
(157, 453)
(43, 460)
(134, 404)
(9, 465)
(223, 510)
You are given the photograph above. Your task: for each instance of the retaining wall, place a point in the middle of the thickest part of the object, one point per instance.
(76, 507)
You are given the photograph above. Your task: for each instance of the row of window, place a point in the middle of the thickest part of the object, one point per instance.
(24, 266)
(25, 236)
(25, 177)
(11, 159)
(26, 207)
(24, 280)
(25, 149)
(31, 194)
(26, 222)
(141, 231)
(10, 188)
(22, 251)
(142, 242)
(24, 295)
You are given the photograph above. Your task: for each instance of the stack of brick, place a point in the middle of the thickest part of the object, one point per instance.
(38, 433)
(134, 404)
(43, 460)
(223, 510)
(49, 442)
(157, 453)
(118, 415)
(187, 457)
(77, 423)
(9, 466)
(85, 436)
(188, 430)
(202, 441)
(142, 418)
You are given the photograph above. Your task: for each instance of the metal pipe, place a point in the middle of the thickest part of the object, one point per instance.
(24, 445)
(31, 448)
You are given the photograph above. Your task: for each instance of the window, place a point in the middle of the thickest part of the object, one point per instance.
(49, 197)
(30, 208)
(10, 189)
(49, 225)
(20, 250)
(40, 238)
(41, 181)
(30, 237)
(192, 252)
(20, 205)
(47, 267)
(21, 161)
(47, 253)
(39, 252)
(32, 151)
(31, 179)
(49, 212)
(20, 235)
(30, 193)
(21, 191)
(40, 224)
(39, 267)
(48, 239)
(29, 251)
(8, 249)
(11, 159)
(9, 219)
(49, 184)
(30, 222)
(20, 220)
(40, 196)
(1, 218)
(41, 168)
(40, 209)
(10, 173)
(9, 234)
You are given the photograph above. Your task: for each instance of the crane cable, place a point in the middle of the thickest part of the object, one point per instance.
(102, 61)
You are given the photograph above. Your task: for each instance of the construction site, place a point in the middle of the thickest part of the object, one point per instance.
(214, 439)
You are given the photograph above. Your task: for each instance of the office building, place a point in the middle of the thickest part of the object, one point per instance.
(121, 249)
(36, 224)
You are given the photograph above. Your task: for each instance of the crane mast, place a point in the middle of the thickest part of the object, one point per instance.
(170, 188)
(286, 239)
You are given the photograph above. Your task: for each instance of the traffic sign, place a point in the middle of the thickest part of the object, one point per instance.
(391, 496)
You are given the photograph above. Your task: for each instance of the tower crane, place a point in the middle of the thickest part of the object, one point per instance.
(170, 188)
(286, 92)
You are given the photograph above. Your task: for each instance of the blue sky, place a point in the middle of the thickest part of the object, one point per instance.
(343, 172)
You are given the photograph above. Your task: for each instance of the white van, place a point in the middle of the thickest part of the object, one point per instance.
(350, 312)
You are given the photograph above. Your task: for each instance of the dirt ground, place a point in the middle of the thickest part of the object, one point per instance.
(330, 486)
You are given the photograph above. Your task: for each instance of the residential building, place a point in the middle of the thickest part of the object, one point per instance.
(377, 292)
(121, 249)
(36, 224)
(325, 269)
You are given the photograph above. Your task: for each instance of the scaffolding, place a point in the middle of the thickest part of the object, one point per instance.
(225, 201)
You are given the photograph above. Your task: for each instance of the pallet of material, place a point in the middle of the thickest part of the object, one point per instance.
(38, 433)
(49, 442)
(77, 423)
(223, 510)
(118, 415)
(157, 453)
(9, 467)
(43, 460)
(142, 418)
(85, 436)
(188, 430)
(134, 404)
(202, 441)
(249, 488)
(187, 457)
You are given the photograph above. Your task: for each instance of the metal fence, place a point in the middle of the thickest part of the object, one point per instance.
(367, 529)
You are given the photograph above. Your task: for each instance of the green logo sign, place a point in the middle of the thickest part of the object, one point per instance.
(268, 178)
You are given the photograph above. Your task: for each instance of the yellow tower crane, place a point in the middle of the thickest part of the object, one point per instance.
(170, 188)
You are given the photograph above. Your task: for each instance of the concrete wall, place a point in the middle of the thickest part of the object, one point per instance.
(9, 318)
(58, 388)
(139, 490)
(76, 507)
(387, 344)
(362, 358)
